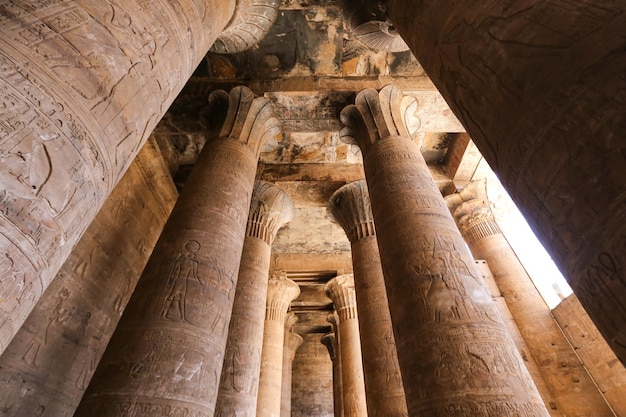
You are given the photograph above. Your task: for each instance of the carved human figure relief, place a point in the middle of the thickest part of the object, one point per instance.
(185, 268)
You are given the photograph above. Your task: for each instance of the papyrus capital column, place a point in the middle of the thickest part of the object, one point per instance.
(558, 88)
(292, 342)
(270, 209)
(280, 293)
(330, 341)
(574, 394)
(468, 364)
(168, 350)
(341, 291)
(350, 207)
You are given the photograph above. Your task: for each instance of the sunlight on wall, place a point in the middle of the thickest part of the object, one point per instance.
(545, 275)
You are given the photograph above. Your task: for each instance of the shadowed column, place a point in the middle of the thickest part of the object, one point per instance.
(543, 97)
(292, 343)
(270, 209)
(330, 341)
(83, 83)
(281, 292)
(467, 364)
(566, 384)
(341, 291)
(350, 207)
(47, 366)
(168, 350)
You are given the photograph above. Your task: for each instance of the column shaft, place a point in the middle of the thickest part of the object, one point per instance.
(270, 209)
(50, 361)
(292, 343)
(467, 363)
(282, 292)
(84, 83)
(341, 291)
(350, 207)
(168, 350)
(498, 66)
(568, 388)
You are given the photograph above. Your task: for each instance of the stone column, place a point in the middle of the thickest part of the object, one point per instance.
(271, 208)
(48, 364)
(83, 85)
(350, 207)
(292, 343)
(467, 363)
(330, 341)
(168, 350)
(281, 292)
(567, 386)
(557, 87)
(341, 291)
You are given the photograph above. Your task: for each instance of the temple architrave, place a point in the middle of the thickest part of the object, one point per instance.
(279, 208)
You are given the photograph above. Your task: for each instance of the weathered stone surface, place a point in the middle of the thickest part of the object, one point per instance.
(341, 291)
(330, 341)
(168, 350)
(83, 84)
(292, 342)
(281, 291)
(350, 207)
(312, 392)
(567, 388)
(270, 209)
(563, 163)
(468, 364)
(49, 362)
(606, 370)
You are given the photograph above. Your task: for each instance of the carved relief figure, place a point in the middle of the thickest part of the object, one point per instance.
(185, 267)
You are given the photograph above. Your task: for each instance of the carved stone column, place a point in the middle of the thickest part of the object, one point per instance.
(281, 292)
(48, 364)
(168, 350)
(292, 343)
(567, 385)
(271, 208)
(558, 88)
(330, 341)
(350, 207)
(341, 291)
(467, 363)
(83, 85)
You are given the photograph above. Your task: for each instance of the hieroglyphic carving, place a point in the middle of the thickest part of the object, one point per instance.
(81, 88)
(281, 292)
(436, 297)
(185, 267)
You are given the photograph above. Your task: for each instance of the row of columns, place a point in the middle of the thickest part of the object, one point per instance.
(189, 341)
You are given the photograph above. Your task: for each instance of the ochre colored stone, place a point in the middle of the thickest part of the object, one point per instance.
(50, 361)
(341, 291)
(270, 209)
(467, 363)
(281, 292)
(83, 84)
(350, 207)
(549, 125)
(168, 350)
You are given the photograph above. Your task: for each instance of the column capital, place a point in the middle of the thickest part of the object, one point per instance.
(292, 342)
(377, 115)
(472, 213)
(280, 293)
(341, 291)
(242, 117)
(270, 209)
(330, 341)
(350, 207)
(333, 319)
(290, 320)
